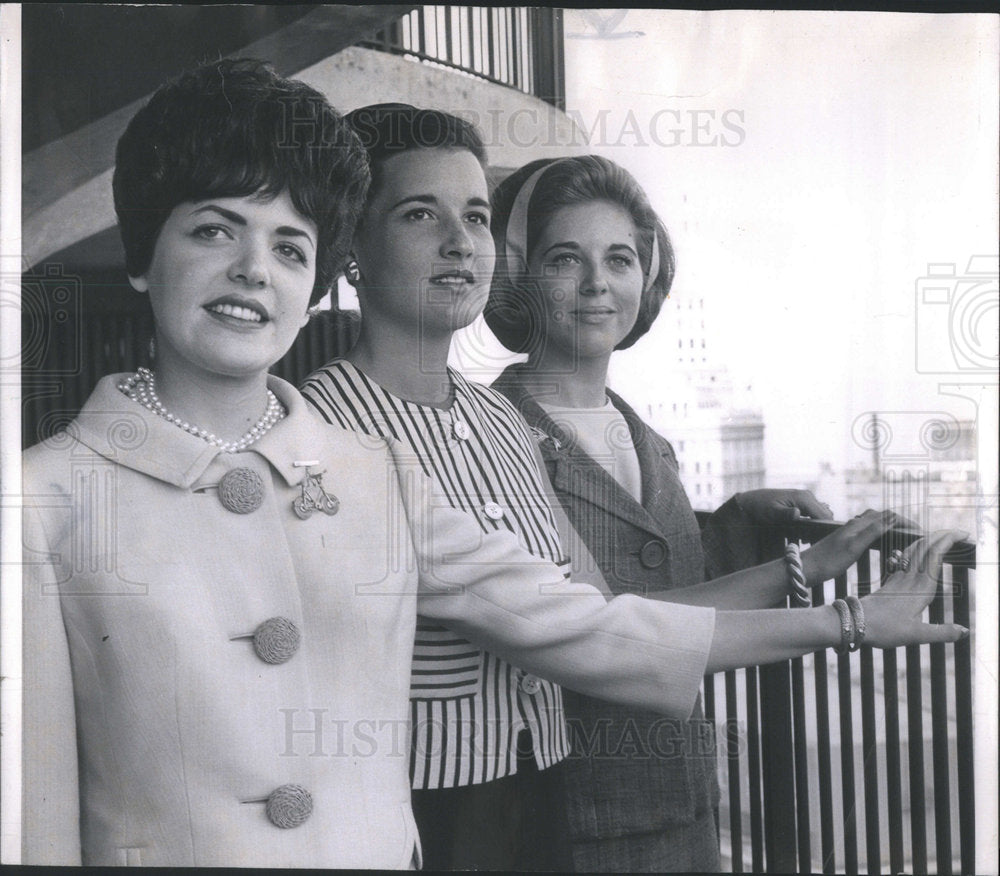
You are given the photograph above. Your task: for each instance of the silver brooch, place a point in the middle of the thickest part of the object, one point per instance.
(541, 437)
(314, 497)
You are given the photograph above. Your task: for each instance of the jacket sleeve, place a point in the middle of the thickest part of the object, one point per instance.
(50, 788)
(486, 587)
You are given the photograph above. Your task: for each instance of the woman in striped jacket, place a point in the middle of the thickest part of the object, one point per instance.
(487, 737)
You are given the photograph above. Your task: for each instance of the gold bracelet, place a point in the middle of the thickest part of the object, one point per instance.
(846, 626)
(858, 619)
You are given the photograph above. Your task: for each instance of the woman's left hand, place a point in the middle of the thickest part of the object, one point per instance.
(837, 552)
(782, 506)
(893, 611)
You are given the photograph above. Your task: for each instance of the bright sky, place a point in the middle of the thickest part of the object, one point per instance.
(864, 147)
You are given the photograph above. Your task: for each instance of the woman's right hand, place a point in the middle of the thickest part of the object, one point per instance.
(892, 613)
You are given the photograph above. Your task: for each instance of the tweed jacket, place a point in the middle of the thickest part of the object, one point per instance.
(631, 771)
(157, 729)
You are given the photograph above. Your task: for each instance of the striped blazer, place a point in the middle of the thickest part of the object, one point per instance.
(467, 705)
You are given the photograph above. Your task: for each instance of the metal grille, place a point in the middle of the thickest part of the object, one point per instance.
(516, 46)
(853, 763)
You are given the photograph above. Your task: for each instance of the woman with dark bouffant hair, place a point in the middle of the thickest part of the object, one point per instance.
(175, 600)
(218, 615)
(584, 265)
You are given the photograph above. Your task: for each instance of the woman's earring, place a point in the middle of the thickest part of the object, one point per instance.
(152, 348)
(352, 271)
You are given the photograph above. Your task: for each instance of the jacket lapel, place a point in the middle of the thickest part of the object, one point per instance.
(574, 472)
(657, 466)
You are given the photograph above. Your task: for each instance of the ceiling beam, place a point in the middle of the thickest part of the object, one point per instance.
(53, 170)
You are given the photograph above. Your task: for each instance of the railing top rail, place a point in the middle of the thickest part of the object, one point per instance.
(962, 553)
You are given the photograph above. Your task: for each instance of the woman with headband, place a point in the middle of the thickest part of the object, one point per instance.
(584, 266)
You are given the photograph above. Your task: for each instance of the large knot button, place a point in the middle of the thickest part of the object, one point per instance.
(652, 554)
(493, 511)
(289, 806)
(241, 490)
(276, 640)
(530, 684)
(462, 431)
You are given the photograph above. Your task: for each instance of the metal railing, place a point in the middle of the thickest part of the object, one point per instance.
(804, 791)
(517, 46)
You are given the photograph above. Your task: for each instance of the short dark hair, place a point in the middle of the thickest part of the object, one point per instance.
(513, 310)
(388, 129)
(230, 129)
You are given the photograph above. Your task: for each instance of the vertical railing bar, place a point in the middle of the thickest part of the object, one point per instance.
(778, 767)
(708, 701)
(753, 768)
(915, 750)
(449, 51)
(489, 42)
(477, 40)
(439, 50)
(777, 751)
(733, 748)
(530, 36)
(823, 752)
(421, 24)
(963, 717)
(504, 71)
(893, 763)
(461, 31)
(801, 749)
(847, 751)
(869, 736)
(501, 44)
(939, 744)
(893, 775)
(515, 48)
(527, 83)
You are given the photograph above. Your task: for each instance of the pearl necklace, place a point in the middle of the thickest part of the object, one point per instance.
(141, 388)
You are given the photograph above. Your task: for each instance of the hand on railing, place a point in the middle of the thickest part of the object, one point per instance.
(782, 506)
(837, 552)
(892, 613)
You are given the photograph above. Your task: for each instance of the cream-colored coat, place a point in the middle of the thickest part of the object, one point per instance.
(152, 730)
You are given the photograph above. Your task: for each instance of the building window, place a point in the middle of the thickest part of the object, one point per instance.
(697, 468)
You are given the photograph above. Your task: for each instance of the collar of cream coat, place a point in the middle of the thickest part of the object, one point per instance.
(128, 434)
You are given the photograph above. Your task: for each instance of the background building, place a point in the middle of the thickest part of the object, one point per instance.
(714, 426)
